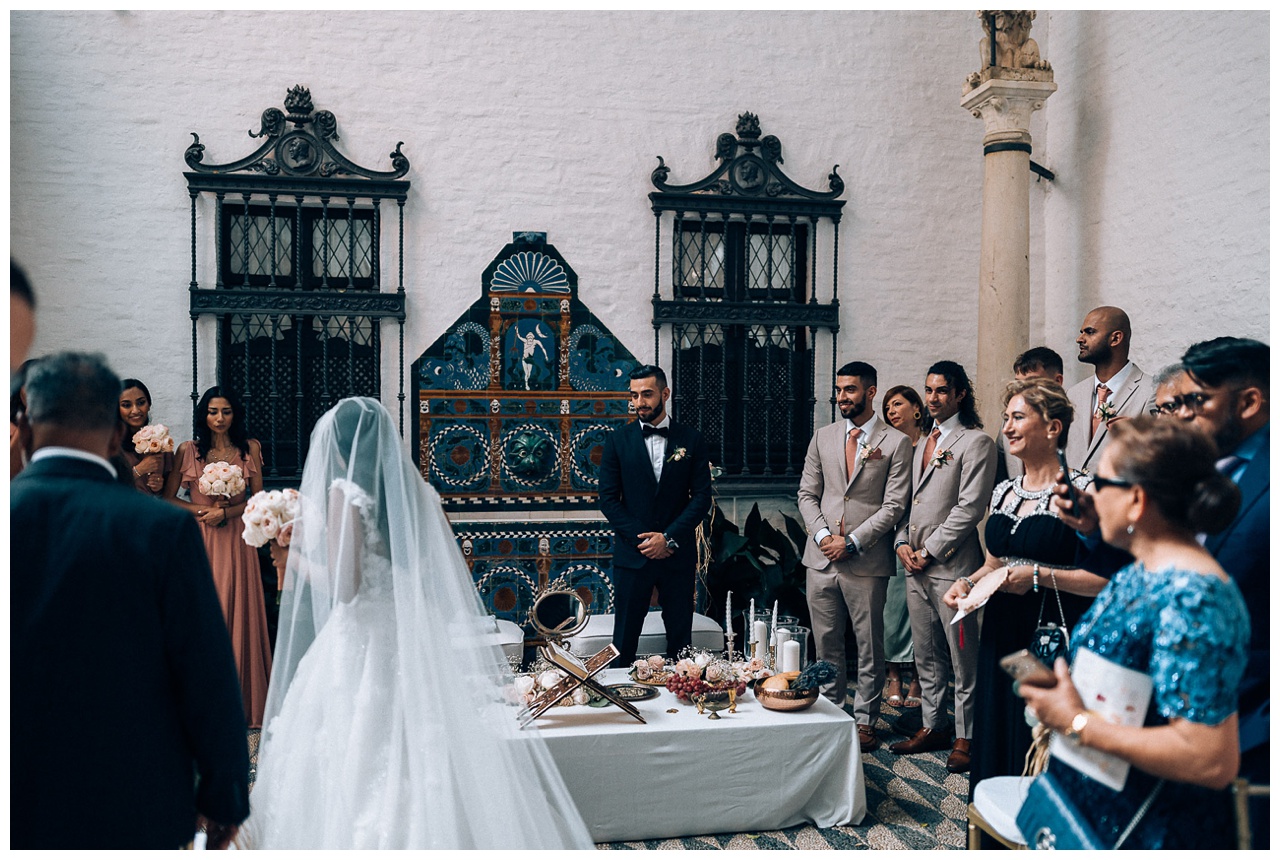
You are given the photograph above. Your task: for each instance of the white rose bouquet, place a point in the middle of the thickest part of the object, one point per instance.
(222, 479)
(153, 439)
(269, 515)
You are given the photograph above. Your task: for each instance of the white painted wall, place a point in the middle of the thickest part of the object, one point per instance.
(551, 121)
(1159, 136)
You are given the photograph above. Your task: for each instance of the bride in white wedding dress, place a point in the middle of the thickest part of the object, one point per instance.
(386, 725)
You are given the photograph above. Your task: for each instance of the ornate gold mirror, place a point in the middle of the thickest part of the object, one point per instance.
(558, 615)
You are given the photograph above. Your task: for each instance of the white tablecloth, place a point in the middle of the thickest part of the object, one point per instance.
(685, 775)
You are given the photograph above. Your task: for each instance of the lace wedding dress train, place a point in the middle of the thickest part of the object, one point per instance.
(388, 723)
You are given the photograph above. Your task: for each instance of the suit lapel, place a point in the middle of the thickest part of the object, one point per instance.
(950, 441)
(1253, 483)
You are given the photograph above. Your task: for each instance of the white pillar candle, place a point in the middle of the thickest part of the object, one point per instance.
(758, 632)
(790, 661)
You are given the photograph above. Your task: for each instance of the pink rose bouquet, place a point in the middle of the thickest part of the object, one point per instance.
(153, 439)
(222, 479)
(269, 515)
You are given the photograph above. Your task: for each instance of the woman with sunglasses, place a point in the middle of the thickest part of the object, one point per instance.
(1173, 615)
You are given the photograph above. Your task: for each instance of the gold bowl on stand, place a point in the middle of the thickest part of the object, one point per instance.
(785, 700)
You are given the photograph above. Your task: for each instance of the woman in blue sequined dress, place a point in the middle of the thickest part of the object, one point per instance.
(1174, 615)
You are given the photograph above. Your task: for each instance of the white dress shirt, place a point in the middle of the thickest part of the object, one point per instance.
(657, 445)
(1113, 384)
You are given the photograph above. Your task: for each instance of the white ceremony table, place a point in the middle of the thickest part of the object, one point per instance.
(683, 774)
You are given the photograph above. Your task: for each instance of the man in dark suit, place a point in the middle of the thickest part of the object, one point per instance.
(655, 487)
(1227, 388)
(126, 726)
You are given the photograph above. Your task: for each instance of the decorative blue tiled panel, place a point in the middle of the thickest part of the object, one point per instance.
(516, 397)
(512, 563)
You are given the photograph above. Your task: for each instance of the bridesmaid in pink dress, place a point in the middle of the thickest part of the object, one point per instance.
(149, 470)
(237, 576)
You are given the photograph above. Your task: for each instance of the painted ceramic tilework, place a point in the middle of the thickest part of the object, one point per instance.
(514, 562)
(516, 397)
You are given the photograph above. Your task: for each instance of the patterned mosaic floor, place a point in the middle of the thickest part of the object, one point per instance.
(912, 803)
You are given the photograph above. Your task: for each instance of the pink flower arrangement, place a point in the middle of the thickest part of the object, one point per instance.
(221, 479)
(153, 439)
(270, 515)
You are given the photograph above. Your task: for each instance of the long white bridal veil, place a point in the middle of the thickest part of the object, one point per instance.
(469, 778)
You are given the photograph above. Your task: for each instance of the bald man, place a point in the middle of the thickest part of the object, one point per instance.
(1117, 389)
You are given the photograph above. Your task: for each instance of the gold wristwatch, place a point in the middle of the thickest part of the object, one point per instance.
(1078, 722)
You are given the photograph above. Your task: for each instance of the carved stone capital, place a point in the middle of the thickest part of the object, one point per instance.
(1005, 108)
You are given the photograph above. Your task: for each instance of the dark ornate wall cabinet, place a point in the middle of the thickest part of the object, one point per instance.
(299, 293)
(742, 304)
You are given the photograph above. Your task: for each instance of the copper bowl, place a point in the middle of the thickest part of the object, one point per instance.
(786, 700)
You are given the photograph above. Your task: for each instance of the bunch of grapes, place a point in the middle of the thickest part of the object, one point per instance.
(687, 688)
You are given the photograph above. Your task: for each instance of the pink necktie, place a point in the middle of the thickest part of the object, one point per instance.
(1103, 394)
(851, 452)
(929, 445)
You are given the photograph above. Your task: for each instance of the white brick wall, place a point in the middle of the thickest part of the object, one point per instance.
(551, 121)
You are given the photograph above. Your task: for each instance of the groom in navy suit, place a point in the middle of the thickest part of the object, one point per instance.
(126, 721)
(655, 487)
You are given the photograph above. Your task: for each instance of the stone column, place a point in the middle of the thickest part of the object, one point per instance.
(1004, 95)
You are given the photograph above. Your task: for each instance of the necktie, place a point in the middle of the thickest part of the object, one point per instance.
(1228, 464)
(851, 452)
(1103, 394)
(650, 430)
(929, 445)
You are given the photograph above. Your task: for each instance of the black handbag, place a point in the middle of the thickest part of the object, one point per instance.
(1051, 641)
(1050, 820)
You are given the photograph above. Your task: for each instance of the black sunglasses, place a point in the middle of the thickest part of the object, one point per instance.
(1102, 483)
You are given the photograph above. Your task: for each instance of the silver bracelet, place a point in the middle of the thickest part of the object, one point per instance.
(967, 581)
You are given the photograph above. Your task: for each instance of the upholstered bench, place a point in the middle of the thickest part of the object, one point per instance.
(653, 636)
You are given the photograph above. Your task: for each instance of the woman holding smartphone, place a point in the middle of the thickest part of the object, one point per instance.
(1174, 615)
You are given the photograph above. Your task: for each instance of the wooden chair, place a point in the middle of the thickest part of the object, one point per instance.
(1241, 791)
(994, 811)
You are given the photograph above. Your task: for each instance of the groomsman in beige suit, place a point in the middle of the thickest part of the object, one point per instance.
(853, 492)
(954, 470)
(1117, 389)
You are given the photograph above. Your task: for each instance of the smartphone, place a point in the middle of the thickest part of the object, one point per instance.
(1026, 668)
(1066, 476)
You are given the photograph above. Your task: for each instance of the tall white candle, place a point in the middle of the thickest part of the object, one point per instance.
(751, 618)
(728, 613)
(790, 660)
(773, 628)
(758, 633)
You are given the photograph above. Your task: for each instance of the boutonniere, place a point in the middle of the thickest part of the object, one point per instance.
(1106, 411)
(677, 455)
(866, 453)
(941, 459)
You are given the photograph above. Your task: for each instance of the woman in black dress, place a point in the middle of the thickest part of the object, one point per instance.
(1036, 553)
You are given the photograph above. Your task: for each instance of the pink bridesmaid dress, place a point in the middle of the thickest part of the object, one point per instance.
(238, 579)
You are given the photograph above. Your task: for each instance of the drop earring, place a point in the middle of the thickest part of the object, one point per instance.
(1129, 530)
